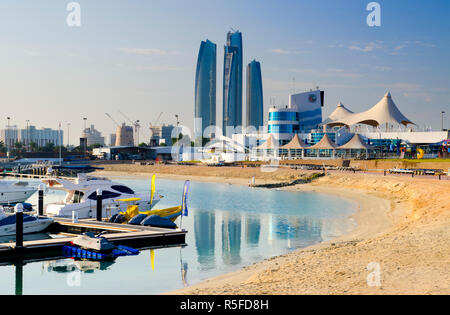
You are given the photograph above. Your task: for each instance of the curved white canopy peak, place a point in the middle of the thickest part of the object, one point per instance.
(384, 112)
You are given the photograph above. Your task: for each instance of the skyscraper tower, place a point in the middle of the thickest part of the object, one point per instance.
(205, 85)
(255, 107)
(232, 81)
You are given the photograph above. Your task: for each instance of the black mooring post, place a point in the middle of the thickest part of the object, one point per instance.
(19, 226)
(99, 205)
(41, 200)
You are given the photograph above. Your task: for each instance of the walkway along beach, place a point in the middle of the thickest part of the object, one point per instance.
(403, 232)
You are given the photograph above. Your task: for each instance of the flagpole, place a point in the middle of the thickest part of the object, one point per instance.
(184, 209)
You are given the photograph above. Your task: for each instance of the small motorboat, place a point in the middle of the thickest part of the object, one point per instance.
(96, 247)
(90, 241)
(12, 192)
(135, 217)
(157, 221)
(164, 218)
(31, 223)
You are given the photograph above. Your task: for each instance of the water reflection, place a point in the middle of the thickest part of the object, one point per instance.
(68, 266)
(231, 238)
(204, 229)
(19, 277)
(249, 231)
(184, 269)
(252, 230)
(298, 231)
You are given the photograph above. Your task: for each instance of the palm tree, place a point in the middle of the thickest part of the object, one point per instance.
(3, 148)
(33, 147)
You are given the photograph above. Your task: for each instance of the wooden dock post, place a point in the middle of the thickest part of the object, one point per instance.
(99, 205)
(41, 199)
(19, 225)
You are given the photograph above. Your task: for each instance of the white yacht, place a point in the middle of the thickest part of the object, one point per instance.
(81, 197)
(12, 192)
(31, 224)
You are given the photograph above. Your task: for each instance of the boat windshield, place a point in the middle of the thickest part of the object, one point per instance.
(77, 196)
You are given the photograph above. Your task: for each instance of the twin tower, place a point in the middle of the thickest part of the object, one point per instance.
(205, 86)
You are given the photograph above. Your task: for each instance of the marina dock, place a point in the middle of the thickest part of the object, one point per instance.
(120, 234)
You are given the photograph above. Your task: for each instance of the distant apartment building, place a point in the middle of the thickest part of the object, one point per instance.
(161, 135)
(9, 136)
(112, 139)
(41, 137)
(124, 135)
(93, 136)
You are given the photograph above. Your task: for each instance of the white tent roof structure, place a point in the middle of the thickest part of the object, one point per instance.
(384, 112)
(271, 143)
(356, 143)
(324, 144)
(225, 144)
(295, 143)
(341, 112)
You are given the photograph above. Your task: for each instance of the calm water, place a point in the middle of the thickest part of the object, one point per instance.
(229, 226)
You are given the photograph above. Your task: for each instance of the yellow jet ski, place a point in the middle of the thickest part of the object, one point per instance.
(132, 211)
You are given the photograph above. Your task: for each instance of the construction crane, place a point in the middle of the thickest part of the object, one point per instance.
(136, 127)
(112, 119)
(152, 129)
(156, 121)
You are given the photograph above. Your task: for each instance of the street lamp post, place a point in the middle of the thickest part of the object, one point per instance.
(442, 121)
(85, 140)
(28, 136)
(60, 141)
(68, 138)
(7, 134)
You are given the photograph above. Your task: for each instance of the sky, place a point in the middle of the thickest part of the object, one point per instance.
(139, 57)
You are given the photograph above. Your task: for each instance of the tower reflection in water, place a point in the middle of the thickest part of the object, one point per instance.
(204, 229)
(245, 234)
(231, 238)
(252, 230)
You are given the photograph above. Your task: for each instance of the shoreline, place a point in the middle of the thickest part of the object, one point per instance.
(401, 225)
(367, 205)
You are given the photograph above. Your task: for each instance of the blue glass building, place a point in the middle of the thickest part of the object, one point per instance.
(255, 107)
(303, 115)
(232, 81)
(283, 123)
(205, 85)
(309, 107)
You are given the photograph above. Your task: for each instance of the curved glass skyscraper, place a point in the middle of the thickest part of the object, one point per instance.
(205, 85)
(255, 109)
(232, 81)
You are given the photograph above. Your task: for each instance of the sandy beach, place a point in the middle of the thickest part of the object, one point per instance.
(402, 232)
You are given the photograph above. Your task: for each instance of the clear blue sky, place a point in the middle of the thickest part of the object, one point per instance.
(140, 57)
